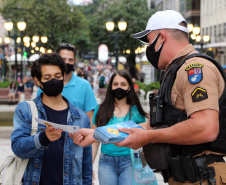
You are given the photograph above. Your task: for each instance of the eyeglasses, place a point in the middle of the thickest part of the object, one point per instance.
(67, 45)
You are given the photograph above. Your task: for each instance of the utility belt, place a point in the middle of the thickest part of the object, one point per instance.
(186, 168)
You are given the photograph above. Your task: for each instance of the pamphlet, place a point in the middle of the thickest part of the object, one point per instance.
(111, 134)
(67, 128)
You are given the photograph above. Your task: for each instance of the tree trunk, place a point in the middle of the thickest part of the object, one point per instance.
(131, 65)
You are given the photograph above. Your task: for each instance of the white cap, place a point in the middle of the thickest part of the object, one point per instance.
(168, 19)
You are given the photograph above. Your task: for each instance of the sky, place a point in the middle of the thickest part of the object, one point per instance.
(78, 2)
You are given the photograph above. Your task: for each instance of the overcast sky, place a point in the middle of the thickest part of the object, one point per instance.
(77, 2)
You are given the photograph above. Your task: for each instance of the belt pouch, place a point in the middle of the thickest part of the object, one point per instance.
(190, 168)
(176, 169)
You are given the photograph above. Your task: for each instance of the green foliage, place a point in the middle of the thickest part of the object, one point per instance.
(134, 12)
(148, 87)
(56, 19)
(6, 84)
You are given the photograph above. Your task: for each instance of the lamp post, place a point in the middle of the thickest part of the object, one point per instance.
(37, 45)
(110, 27)
(202, 41)
(195, 35)
(2, 45)
(21, 25)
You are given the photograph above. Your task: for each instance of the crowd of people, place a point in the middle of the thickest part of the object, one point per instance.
(185, 127)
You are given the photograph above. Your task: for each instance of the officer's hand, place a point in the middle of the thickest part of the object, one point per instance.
(84, 137)
(135, 139)
(53, 134)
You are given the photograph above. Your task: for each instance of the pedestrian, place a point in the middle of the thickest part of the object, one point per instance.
(20, 90)
(189, 107)
(54, 158)
(77, 90)
(101, 79)
(120, 104)
(136, 87)
(82, 73)
(90, 79)
(12, 92)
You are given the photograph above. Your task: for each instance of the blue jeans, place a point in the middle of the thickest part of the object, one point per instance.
(115, 170)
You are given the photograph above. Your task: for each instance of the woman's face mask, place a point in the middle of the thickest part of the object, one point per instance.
(152, 55)
(119, 93)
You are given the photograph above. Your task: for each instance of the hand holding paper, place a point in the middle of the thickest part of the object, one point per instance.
(84, 137)
(67, 128)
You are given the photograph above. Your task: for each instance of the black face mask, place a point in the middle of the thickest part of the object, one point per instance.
(70, 67)
(152, 55)
(53, 87)
(119, 93)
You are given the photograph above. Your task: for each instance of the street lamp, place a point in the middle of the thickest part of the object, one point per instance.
(194, 32)
(202, 40)
(44, 39)
(122, 24)
(21, 25)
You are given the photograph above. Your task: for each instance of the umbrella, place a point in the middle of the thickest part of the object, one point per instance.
(33, 57)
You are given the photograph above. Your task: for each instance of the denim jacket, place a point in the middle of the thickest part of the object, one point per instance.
(77, 169)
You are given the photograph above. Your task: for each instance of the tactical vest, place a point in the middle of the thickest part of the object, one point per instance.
(165, 113)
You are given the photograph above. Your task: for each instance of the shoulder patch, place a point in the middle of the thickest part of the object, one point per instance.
(199, 94)
(194, 72)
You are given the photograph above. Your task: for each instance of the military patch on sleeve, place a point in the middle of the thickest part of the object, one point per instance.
(194, 72)
(199, 94)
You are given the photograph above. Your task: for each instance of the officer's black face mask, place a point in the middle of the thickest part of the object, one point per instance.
(53, 87)
(119, 93)
(70, 67)
(152, 55)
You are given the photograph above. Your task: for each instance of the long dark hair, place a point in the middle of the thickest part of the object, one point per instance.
(11, 85)
(106, 109)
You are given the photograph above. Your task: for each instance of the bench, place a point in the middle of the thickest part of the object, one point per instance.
(5, 91)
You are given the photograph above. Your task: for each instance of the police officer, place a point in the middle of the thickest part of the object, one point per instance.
(193, 112)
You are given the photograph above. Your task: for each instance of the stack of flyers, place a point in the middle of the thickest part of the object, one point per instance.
(111, 134)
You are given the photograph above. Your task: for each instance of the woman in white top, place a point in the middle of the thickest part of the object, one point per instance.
(12, 92)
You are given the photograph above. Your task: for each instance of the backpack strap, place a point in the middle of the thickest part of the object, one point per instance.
(34, 112)
(34, 130)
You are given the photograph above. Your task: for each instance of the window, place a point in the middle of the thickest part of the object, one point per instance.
(210, 31)
(224, 29)
(219, 29)
(207, 31)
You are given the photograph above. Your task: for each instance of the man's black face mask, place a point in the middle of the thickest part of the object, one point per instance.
(70, 67)
(53, 87)
(152, 55)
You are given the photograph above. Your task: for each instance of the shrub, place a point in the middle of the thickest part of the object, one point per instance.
(148, 87)
(6, 84)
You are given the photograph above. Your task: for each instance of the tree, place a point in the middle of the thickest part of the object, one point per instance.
(56, 19)
(135, 13)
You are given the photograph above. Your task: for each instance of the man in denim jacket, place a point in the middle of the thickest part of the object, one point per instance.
(53, 157)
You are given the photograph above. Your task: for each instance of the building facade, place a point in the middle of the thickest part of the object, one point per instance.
(213, 23)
